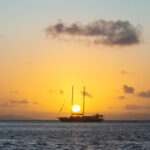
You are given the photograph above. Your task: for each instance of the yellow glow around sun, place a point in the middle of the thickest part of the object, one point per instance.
(76, 108)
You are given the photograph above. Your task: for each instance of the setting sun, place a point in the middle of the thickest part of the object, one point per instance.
(76, 108)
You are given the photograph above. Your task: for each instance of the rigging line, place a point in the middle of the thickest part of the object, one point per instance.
(62, 106)
(63, 103)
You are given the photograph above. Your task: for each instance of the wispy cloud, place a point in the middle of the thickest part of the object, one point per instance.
(29, 63)
(121, 97)
(12, 103)
(61, 92)
(131, 115)
(135, 107)
(124, 72)
(144, 94)
(4, 105)
(14, 92)
(35, 103)
(18, 102)
(128, 89)
(98, 32)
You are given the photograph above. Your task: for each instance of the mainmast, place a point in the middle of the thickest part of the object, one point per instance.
(83, 99)
(72, 101)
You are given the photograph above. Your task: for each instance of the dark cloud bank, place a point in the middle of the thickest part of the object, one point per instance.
(99, 32)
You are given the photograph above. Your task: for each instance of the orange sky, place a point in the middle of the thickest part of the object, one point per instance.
(37, 72)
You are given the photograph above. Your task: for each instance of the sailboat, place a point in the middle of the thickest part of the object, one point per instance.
(76, 117)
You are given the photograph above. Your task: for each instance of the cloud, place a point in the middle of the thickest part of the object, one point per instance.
(29, 63)
(87, 94)
(128, 89)
(4, 105)
(15, 117)
(18, 102)
(11, 103)
(98, 32)
(132, 115)
(144, 94)
(135, 107)
(124, 72)
(61, 92)
(121, 97)
(52, 91)
(14, 92)
(35, 103)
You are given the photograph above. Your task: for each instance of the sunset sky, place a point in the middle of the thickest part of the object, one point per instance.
(46, 46)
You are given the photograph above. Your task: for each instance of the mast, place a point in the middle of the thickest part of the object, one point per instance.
(72, 101)
(83, 99)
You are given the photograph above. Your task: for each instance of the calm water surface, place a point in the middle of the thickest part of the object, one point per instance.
(45, 135)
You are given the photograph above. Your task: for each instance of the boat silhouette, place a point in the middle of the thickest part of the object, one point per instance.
(76, 117)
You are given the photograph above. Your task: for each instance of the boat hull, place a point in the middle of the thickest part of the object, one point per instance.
(81, 119)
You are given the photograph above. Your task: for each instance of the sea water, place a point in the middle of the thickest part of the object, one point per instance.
(55, 135)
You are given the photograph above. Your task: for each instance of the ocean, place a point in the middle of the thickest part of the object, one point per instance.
(55, 135)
